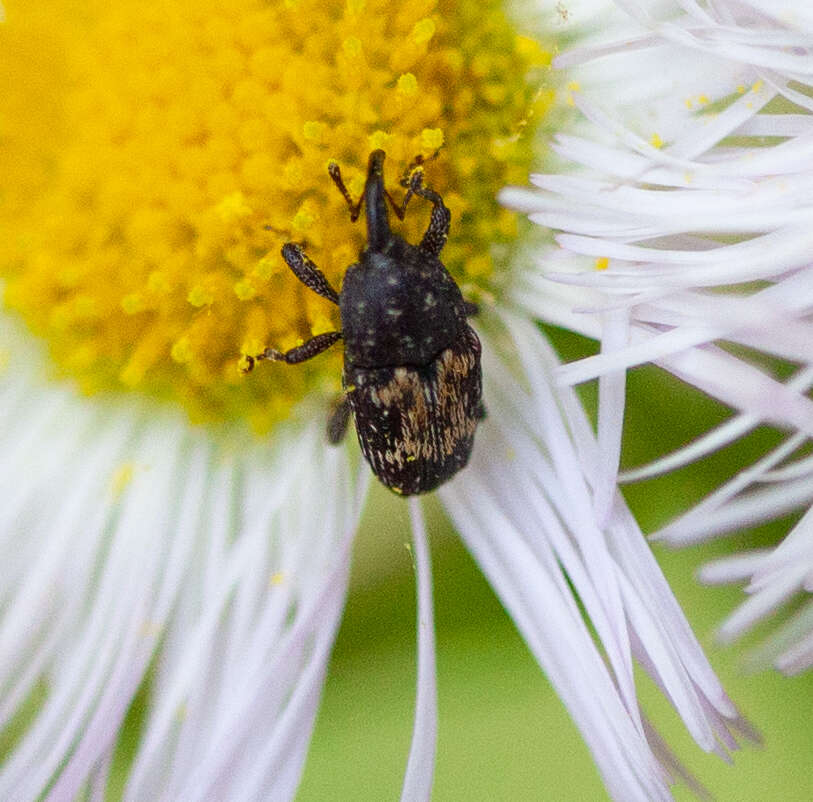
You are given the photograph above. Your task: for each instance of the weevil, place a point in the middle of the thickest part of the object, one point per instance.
(412, 377)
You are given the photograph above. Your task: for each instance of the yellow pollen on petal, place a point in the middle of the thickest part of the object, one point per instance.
(572, 88)
(156, 157)
(182, 350)
(200, 296)
(656, 141)
(233, 207)
(122, 477)
(407, 84)
(352, 47)
(244, 290)
(602, 263)
(423, 31)
(379, 140)
(431, 139)
(314, 131)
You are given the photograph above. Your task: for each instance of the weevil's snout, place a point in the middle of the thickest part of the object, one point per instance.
(375, 200)
(375, 164)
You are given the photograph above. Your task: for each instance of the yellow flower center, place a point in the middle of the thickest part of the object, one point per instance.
(157, 155)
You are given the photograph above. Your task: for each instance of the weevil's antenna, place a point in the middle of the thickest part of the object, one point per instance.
(375, 196)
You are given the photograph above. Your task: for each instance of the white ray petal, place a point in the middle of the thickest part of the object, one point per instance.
(713, 440)
(761, 604)
(420, 766)
(736, 568)
(265, 629)
(116, 630)
(799, 657)
(746, 510)
(527, 514)
(724, 494)
(611, 393)
(169, 549)
(705, 230)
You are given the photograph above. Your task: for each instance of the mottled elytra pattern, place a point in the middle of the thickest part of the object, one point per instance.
(416, 425)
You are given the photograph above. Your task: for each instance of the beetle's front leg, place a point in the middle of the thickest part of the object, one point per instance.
(438, 232)
(307, 272)
(308, 350)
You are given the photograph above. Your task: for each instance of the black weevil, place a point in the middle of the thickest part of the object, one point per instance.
(412, 375)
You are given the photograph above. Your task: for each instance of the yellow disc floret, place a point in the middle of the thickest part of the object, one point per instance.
(155, 157)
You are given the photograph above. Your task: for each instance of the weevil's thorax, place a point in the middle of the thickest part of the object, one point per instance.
(399, 306)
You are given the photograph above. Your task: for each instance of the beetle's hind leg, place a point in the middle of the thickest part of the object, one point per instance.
(337, 420)
(308, 350)
(307, 272)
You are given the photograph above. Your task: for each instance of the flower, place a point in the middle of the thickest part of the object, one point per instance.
(170, 150)
(692, 198)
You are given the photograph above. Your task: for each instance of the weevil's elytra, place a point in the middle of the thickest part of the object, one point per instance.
(412, 375)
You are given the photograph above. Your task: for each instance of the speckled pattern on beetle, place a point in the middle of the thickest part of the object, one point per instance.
(412, 377)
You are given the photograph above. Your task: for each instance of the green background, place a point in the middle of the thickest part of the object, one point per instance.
(503, 733)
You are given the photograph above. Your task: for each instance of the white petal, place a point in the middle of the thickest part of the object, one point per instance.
(611, 392)
(132, 540)
(665, 215)
(526, 509)
(421, 764)
(717, 500)
(705, 233)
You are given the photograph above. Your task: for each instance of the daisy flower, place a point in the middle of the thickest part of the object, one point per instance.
(685, 229)
(174, 529)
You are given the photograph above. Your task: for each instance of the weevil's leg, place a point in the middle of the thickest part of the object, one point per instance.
(336, 174)
(308, 350)
(411, 179)
(399, 208)
(372, 193)
(337, 420)
(307, 272)
(418, 161)
(416, 176)
(481, 413)
(438, 232)
(471, 309)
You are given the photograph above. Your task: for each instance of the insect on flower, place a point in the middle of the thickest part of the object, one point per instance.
(412, 375)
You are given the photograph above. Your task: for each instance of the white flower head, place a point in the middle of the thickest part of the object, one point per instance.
(140, 550)
(685, 234)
